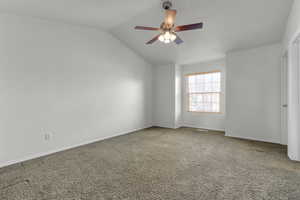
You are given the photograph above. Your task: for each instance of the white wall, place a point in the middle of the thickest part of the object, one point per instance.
(253, 93)
(204, 120)
(178, 97)
(292, 32)
(77, 84)
(164, 96)
(167, 96)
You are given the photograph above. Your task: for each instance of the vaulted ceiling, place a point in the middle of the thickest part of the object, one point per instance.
(228, 24)
(98, 13)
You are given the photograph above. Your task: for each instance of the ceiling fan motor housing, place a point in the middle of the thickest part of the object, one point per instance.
(167, 5)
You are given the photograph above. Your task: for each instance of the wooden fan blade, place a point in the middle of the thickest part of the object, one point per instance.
(189, 27)
(170, 17)
(146, 28)
(178, 40)
(153, 40)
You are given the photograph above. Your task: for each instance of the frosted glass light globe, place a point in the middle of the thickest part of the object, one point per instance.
(167, 35)
(161, 38)
(167, 41)
(173, 37)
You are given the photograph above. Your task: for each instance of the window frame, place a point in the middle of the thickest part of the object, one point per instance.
(188, 93)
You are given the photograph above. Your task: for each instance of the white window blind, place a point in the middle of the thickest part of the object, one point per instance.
(204, 92)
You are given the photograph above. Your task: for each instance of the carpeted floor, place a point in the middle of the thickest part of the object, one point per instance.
(158, 163)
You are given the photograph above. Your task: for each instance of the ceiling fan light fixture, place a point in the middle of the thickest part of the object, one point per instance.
(167, 37)
(161, 38)
(173, 37)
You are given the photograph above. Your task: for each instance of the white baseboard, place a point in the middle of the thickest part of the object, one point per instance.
(38, 155)
(164, 126)
(294, 157)
(252, 138)
(190, 126)
(201, 127)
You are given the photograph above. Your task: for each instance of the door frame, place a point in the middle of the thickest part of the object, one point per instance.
(284, 98)
(294, 98)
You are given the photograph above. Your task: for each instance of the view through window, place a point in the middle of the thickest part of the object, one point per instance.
(204, 92)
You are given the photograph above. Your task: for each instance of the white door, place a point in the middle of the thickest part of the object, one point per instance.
(284, 104)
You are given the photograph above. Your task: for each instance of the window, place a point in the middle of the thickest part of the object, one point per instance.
(204, 92)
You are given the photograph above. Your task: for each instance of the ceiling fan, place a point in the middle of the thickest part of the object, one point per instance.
(167, 29)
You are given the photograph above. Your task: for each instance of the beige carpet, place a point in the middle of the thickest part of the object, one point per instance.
(158, 163)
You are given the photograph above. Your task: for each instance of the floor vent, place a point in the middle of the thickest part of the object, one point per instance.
(201, 130)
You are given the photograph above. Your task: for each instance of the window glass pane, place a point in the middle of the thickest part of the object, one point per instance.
(204, 92)
(210, 82)
(209, 102)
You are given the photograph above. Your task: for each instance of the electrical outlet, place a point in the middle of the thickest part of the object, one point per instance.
(47, 135)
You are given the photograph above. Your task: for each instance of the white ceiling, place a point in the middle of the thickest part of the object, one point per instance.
(101, 13)
(228, 24)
